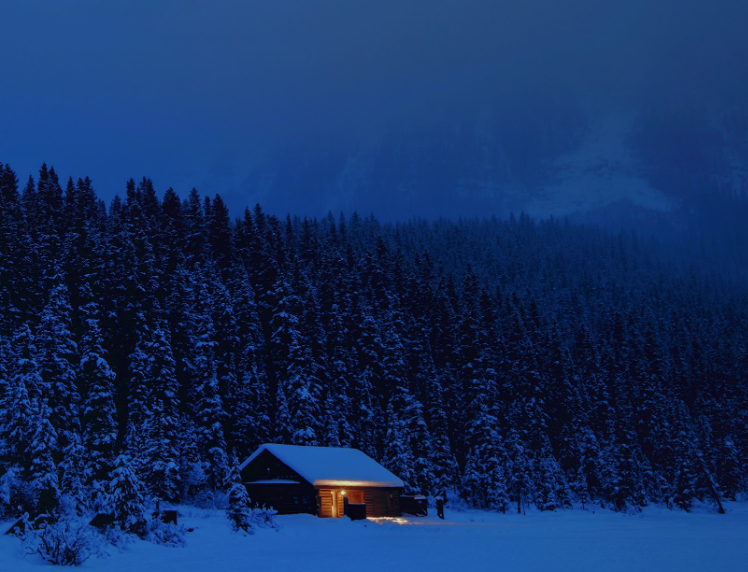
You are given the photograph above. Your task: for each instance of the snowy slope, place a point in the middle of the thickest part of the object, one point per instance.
(599, 172)
(573, 540)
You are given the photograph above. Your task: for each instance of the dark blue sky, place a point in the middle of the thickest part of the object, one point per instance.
(201, 94)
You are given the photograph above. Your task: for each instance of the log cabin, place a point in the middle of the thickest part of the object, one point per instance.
(318, 480)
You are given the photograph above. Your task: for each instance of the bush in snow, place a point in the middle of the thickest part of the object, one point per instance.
(116, 537)
(65, 542)
(165, 534)
(263, 517)
(210, 499)
(10, 485)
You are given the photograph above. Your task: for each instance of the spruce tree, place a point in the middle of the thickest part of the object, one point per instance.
(161, 421)
(98, 410)
(58, 357)
(126, 499)
(239, 510)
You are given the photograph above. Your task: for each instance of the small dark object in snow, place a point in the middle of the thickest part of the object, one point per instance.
(190, 529)
(102, 521)
(440, 508)
(414, 504)
(355, 511)
(169, 517)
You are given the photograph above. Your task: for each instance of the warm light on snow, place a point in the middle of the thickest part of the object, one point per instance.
(395, 519)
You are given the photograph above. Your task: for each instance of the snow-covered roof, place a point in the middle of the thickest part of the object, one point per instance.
(331, 466)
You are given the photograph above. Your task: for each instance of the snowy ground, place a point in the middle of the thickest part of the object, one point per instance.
(573, 540)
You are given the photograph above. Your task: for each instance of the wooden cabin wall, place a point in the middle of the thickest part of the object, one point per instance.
(382, 502)
(325, 503)
(379, 502)
(339, 505)
(395, 502)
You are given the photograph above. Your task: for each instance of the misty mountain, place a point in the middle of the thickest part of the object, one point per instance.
(661, 168)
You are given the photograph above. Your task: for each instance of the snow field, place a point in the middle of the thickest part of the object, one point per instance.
(656, 539)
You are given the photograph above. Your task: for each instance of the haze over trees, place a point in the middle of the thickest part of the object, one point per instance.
(146, 346)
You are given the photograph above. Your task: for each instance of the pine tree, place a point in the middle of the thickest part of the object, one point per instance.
(294, 369)
(249, 405)
(99, 414)
(442, 461)
(208, 402)
(338, 404)
(16, 287)
(398, 457)
(58, 356)
(551, 490)
(138, 397)
(239, 511)
(17, 420)
(161, 421)
(367, 377)
(32, 439)
(126, 497)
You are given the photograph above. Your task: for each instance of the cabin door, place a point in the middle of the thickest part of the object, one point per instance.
(334, 495)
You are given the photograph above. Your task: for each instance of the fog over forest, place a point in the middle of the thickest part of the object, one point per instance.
(626, 114)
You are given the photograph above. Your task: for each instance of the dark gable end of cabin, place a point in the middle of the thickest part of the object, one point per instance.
(271, 482)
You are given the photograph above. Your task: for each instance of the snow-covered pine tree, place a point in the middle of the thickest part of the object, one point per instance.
(227, 352)
(398, 457)
(249, 406)
(17, 421)
(337, 404)
(239, 510)
(365, 379)
(192, 477)
(161, 420)
(551, 490)
(484, 483)
(282, 430)
(520, 480)
(126, 500)
(207, 399)
(138, 396)
(442, 463)
(302, 393)
(45, 216)
(30, 439)
(16, 288)
(96, 379)
(58, 358)
(294, 370)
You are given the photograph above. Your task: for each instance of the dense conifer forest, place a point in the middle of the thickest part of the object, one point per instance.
(148, 345)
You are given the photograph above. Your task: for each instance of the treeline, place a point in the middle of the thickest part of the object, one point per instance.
(510, 362)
